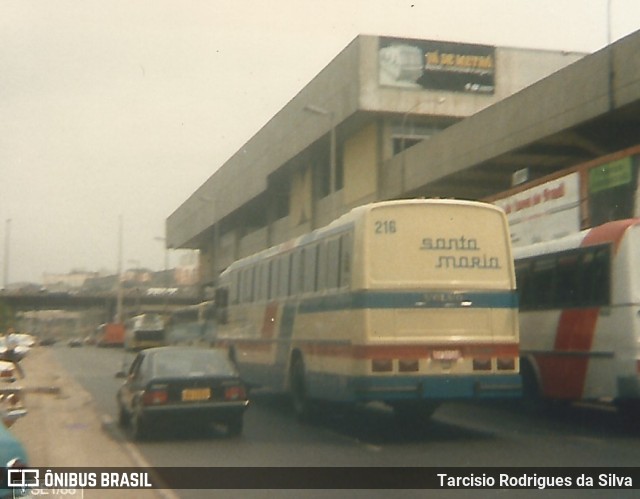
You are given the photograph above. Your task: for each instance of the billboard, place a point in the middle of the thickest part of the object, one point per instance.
(544, 212)
(434, 65)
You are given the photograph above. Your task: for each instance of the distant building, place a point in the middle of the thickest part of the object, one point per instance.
(74, 280)
(187, 272)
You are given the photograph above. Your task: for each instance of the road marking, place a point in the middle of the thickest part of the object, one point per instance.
(138, 459)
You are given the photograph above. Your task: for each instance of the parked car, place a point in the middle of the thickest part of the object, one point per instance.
(12, 455)
(7, 371)
(48, 341)
(24, 339)
(11, 394)
(181, 386)
(75, 342)
(11, 350)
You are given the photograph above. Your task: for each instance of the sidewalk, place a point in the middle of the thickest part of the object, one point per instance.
(64, 429)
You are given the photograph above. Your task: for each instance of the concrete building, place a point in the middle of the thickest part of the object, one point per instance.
(339, 142)
(73, 280)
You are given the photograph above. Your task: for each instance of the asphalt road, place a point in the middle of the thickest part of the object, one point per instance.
(460, 434)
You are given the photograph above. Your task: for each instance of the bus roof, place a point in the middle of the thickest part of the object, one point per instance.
(346, 220)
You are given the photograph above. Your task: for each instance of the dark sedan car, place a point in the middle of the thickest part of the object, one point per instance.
(184, 386)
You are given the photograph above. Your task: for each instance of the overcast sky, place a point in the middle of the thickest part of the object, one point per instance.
(124, 108)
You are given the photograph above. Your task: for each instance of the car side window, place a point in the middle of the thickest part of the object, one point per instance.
(135, 366)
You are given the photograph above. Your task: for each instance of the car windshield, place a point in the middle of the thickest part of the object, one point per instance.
(191, 363)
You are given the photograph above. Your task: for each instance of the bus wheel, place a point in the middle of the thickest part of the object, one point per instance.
(531, 391)
(301, 403)
(629, 411)
(414, 413)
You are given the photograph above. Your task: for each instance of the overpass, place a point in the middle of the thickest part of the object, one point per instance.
(133, 301)
(350, 137)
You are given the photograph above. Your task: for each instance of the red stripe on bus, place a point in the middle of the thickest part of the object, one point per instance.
(565, 376)
(362, 352)
(611, 232)
(408, 351)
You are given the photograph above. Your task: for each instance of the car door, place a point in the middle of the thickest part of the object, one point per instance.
(134, 384)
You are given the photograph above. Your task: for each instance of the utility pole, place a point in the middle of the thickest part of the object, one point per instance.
(7, 248)
(119, 290)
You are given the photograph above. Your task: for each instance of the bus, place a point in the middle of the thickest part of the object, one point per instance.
(192, 325)
(144, 331)
(410, 303)
(579, 309)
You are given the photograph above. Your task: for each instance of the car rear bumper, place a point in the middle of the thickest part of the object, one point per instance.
(215, 411)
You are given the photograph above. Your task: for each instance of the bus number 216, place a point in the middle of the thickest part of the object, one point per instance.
(385, 226)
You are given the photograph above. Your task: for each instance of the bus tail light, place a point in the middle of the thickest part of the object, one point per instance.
(482, 364)
(155, 397)
(408, 365)
(506, 364)
(381, 365)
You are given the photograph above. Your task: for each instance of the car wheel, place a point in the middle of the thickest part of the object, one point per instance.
(234, 426)
(123, 416)
(139, 427)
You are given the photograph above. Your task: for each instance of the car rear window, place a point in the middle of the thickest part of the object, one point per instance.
(192, 363)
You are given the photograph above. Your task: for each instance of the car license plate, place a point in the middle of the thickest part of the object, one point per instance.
(194, 394)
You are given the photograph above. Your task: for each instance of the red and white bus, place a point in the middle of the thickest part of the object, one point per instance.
(580, 315)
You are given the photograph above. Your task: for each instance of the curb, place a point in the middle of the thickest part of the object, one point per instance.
(64, 428)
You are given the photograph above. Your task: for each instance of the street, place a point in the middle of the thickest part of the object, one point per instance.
(461, 434)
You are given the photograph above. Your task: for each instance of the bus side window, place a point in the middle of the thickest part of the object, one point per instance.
(345, 264)
(310, 269)
(283, 277)
(333, 264)
(568, 277)
(296, 273)
(323, 267)
(543, 282)
(523, 283)
(596, 267)
(222, 304)
(273, 279)
(235, 287)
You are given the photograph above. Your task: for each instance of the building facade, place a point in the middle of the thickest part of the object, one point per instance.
(339, 142)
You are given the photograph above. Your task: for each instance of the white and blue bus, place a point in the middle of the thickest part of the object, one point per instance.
(192, 325)
(410, 303)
